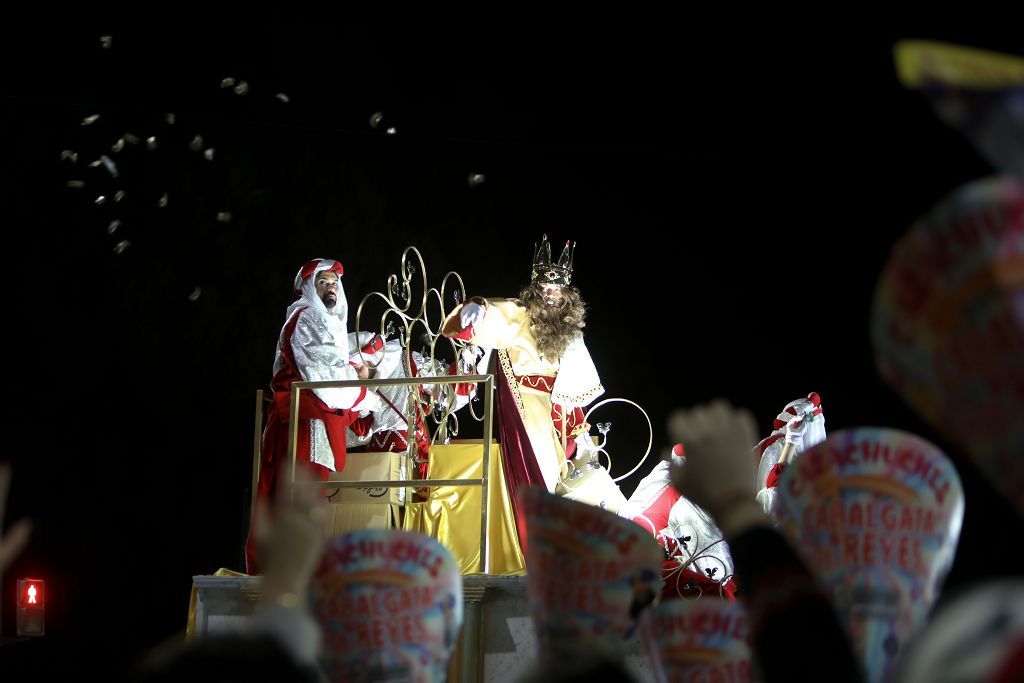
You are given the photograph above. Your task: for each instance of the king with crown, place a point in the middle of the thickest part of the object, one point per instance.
(545, 376)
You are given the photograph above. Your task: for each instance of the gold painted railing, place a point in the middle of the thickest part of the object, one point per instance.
(483, 482)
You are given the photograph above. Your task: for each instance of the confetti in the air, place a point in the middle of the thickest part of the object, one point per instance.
(100, 200)
(151, 142)
(227, 82)
(375, 119)
(113, 226)
(121, 246)
(119, 195)
(163, 201)
(242, 88)
(78, 184)
(68, 154)
(196, 293)
(106, 42)
(196, 144)
(391, 131)
(224, 216)
(284, 98)
(476, 179)
(117, 146)
(170, 118)
(208, 154)
(131, 139)
(109, 165)
(89, 120)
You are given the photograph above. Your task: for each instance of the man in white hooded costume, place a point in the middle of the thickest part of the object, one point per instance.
(313, 346)
(799, 426)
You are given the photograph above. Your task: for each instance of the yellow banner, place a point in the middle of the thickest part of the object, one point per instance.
(452, 513)
(920, 63)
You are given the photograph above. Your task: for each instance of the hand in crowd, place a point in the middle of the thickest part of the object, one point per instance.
(718, 474)
(291, 540)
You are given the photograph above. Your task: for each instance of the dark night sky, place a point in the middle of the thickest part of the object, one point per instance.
(734, 196)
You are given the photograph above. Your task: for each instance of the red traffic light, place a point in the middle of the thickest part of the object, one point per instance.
(31, 593)
(31, 607)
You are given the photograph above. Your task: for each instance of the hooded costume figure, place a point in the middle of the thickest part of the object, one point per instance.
(313, 346)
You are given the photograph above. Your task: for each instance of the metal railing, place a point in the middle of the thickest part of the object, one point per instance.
(483, 481)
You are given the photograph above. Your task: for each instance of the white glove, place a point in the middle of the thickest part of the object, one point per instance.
(795, 429)
(468, 356)
(585, 443)
(471, 314)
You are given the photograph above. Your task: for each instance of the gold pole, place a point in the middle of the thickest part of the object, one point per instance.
(485, 564)
(387, 483)
(788, 450)
(293, 428)
(472, 655)
(411, 442)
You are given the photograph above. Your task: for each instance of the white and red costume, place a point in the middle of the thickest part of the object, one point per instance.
(802, 424)
(697, 559)
(313, 346)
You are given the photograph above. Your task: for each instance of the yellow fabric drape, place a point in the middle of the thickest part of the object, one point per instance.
(451, 514)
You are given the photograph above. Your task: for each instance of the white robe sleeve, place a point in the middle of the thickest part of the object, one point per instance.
(577, 383)
(500, 326)
(319, 357)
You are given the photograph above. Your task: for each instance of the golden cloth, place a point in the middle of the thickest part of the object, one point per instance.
(452, 514)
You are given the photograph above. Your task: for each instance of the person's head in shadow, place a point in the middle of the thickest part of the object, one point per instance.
(224, 659)
(578, 668)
